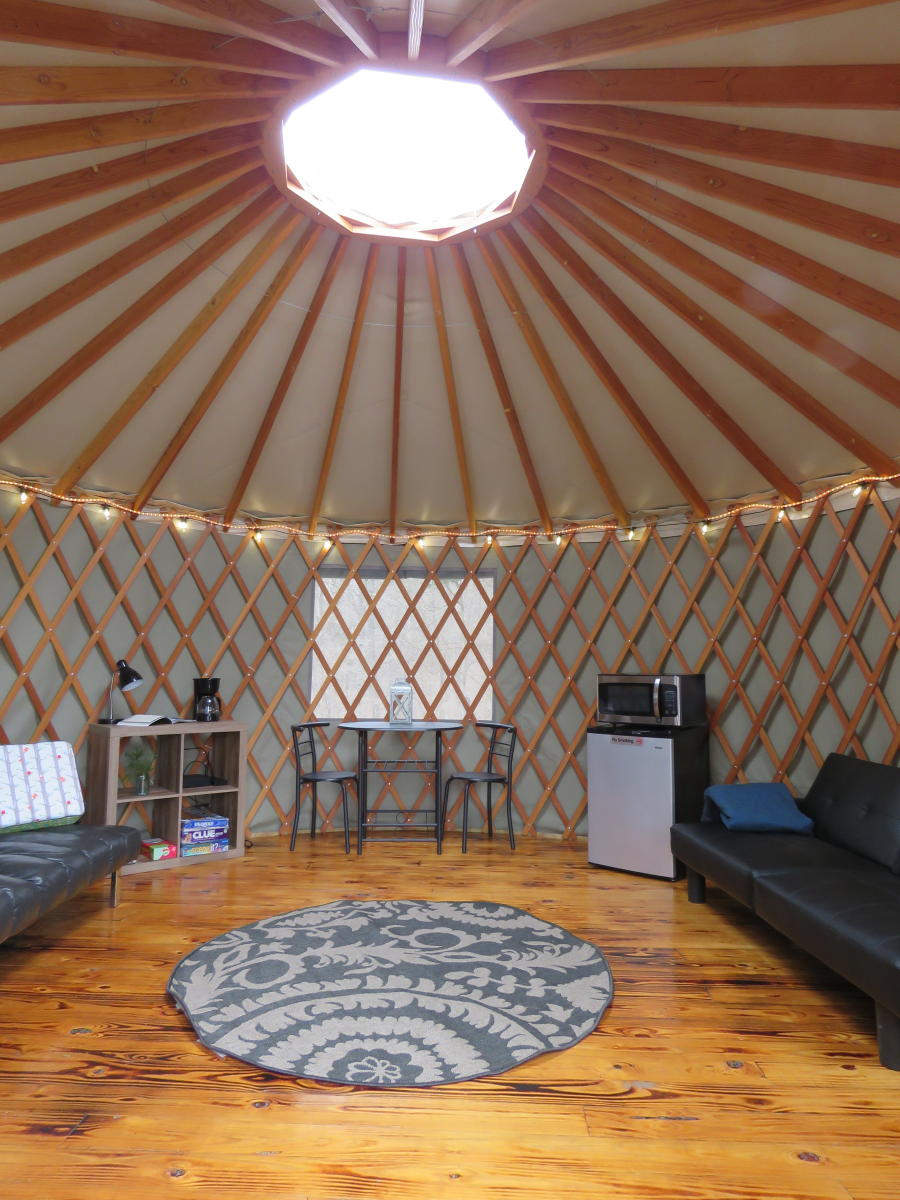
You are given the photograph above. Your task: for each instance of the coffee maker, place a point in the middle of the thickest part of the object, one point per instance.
(206, 700)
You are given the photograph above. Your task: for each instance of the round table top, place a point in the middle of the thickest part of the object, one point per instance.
(412, 727)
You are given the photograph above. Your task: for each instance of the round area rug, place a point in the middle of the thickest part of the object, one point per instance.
(393, 993)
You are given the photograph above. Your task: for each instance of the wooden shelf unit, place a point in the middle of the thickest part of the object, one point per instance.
(108, 802)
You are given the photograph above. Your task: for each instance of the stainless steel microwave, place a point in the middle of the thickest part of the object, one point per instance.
(678, 700)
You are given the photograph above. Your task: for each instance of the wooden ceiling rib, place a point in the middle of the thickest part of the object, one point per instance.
(287, 375)
(337, 413)
(138, 312)
(353, 22)
(440, 322)
(812, 212)
(557, 387)
(198, 112)
(189, 336)
(799, 151)
(753, 300)
(641, 335)
(716, 332)
(266, 24)
(30, 198)
(871, 86)
(103, 221)
(657, 25)
(268, 244)
(500, 383)
(48, 307)
(122, 129)
(41, 23)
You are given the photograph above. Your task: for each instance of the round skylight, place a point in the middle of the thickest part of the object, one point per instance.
(397, 153)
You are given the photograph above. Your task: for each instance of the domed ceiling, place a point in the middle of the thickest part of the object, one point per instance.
(693, 299)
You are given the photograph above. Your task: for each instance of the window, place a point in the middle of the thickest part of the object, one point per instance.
(373, 630)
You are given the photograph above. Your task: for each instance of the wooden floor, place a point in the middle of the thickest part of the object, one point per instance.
(728, 1066)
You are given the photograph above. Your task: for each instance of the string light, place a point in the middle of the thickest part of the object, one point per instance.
(377, 533)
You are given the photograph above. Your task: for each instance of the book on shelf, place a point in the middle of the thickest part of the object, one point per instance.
(145, 719)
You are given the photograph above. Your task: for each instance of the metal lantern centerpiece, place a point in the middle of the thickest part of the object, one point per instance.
(400, 704)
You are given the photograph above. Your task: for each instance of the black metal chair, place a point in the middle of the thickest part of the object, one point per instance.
(499, 770)
(305, 750)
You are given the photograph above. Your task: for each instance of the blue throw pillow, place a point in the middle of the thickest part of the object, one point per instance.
(755, 808)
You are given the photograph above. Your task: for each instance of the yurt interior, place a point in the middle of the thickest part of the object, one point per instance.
(449, 599)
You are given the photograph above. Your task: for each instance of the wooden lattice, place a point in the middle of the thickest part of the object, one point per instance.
(794, 622)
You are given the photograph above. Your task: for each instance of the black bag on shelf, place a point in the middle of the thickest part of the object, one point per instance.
(204, 776)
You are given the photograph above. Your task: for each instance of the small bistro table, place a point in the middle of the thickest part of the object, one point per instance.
(369, 766)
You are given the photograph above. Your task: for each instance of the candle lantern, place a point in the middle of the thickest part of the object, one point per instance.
(400, 712)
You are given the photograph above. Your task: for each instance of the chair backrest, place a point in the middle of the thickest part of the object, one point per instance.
(305, 744)
(502, 746)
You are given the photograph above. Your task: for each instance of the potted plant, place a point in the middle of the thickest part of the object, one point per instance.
(137, 763)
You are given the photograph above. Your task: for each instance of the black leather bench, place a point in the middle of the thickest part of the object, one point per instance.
(41, 868)
(836, 894)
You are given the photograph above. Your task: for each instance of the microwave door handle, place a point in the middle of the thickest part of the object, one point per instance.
(656, 682)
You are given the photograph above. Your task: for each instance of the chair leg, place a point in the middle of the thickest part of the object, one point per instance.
(490, 815)
(314, 810)
(465, 829)
(512, 836)
(296, 820)
(343, 784)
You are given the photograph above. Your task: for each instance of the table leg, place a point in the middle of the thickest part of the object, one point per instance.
(362, 762)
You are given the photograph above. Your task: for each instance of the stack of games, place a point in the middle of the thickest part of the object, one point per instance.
(203, 831)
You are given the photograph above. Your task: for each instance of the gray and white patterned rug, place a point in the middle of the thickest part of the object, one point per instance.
(393, 993)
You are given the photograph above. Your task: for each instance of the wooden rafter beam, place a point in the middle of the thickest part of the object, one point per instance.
(738, 239)
(560, 393)
(714, 330)
(138, 312)
(482, 24)
(131, 257)
(731, 287)
(440, 322)
(169, 360)
(44, 194)
(117, 85)
(120, 129)
(800, 151)
(399, 325)
(65, 238)
(353, 22)
(287, 375)
(268, 244)
(868, 86)
(656, 25)
(836, 220)
(504, 395)
(414, 29)
(337, 414)
(638, 332)
(39, 22)
(264, 23)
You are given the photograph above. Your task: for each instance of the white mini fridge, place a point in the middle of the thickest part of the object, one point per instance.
(640, 782)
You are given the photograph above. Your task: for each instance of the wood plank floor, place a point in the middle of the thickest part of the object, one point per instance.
(728, 1067)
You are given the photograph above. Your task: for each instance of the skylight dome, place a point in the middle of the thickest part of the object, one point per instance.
(409, 155)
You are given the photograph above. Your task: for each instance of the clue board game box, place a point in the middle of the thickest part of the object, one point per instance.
(201, 824)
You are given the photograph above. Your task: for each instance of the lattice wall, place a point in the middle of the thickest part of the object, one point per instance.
(794, 623)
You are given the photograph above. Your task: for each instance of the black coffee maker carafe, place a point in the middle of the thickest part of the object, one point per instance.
(206, 700)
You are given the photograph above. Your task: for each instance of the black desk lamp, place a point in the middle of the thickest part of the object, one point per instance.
(127, 679)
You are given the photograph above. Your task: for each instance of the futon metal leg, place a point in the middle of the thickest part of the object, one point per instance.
(114, 889)
(887, 1025)
(696, 887)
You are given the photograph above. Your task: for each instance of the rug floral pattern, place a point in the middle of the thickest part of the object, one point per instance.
(393, 993)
